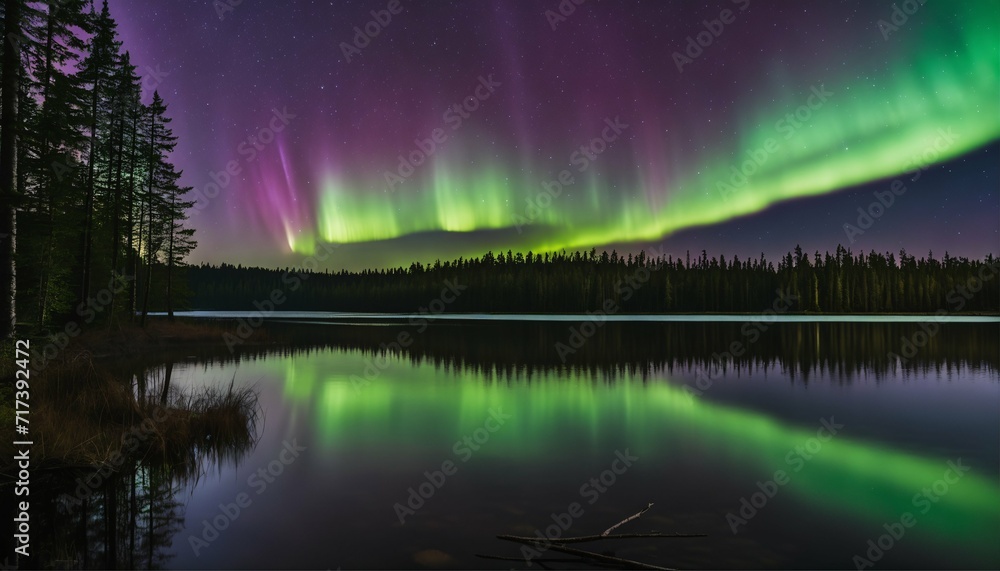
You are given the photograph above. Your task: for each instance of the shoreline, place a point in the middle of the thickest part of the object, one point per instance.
(279, 313)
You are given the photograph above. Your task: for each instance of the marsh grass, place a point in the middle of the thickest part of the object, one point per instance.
(85, 415)
(210, 427)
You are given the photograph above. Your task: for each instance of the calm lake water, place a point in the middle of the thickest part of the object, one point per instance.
(806, 442)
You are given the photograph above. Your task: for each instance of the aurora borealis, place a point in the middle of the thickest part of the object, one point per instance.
(749, 145)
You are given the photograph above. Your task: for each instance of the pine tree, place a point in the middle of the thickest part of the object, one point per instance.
(180, 240)
(125, 136)
(161, 187)
(98, 74)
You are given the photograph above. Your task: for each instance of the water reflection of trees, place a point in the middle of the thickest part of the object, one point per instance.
(843, 352)
(127, 518)
(131, 518)
(126, 522)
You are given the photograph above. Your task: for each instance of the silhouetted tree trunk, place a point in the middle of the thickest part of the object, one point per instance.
(88, 205)
(11, 69)
(149, 200)
(132, 258)
(167, 373)
(45, 179)
(170, 263)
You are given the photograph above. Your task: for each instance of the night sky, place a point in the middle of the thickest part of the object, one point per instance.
(772, 134)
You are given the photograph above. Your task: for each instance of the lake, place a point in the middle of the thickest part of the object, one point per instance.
(798, 443)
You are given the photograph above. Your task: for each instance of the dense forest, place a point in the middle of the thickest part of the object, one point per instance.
(93, 215)
(842, 282)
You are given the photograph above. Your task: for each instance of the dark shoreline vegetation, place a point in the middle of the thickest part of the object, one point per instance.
(96, 396)
(115, 439)
(99, 407)
(840, 283)
(94, 217)
(92, 234)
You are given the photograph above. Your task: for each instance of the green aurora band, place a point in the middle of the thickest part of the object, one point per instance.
(937, 103)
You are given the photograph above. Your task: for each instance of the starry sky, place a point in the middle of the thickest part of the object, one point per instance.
(453, 128)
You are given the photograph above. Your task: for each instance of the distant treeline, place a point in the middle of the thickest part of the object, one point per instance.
(842, 282)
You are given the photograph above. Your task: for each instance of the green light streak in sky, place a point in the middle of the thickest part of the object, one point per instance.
(879, 125)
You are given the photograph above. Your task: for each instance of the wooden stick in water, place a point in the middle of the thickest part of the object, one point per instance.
(586, 554)
(586, 538)
(626, 520)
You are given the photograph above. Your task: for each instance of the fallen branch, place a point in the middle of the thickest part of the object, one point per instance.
(626, 520)
(575, 560)
(586, 538)
(629, 563)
